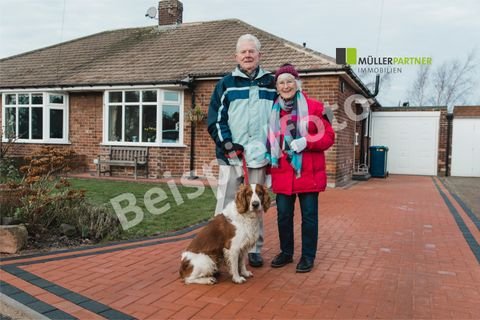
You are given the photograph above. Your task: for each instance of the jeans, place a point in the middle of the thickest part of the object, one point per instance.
(309, 209)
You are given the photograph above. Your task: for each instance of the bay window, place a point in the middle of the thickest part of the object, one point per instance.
(150, 116)
(37, 117)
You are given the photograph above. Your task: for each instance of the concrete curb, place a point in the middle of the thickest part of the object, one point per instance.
(15, 310)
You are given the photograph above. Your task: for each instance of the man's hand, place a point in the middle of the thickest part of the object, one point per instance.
(232, 150)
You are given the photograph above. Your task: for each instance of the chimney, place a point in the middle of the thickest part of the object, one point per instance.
(170, 12)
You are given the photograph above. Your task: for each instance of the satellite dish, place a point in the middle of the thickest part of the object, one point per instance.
(151, 12)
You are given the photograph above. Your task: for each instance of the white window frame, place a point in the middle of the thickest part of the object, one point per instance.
(46, 107)
(159, 105)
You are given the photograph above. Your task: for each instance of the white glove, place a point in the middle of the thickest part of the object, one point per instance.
(298, 145)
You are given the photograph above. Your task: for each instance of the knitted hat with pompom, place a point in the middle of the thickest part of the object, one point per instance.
(286, 68)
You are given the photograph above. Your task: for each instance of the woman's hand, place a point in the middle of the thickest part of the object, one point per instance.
(298, 145)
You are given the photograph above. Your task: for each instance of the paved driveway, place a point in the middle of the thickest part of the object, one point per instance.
(468, 189)
(400, 247)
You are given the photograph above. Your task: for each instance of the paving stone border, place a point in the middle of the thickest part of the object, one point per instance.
(52, 312)
(467, 234)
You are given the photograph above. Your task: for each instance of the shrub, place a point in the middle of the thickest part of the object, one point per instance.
(97, 222)
(9, 171)
(10, 178)
(49, 200)
(46, 204)
(47, 164)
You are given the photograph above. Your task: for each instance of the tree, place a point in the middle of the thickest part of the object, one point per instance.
(418, 92)
(448, 84)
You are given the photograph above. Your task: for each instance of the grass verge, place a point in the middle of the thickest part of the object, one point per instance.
(183, 205)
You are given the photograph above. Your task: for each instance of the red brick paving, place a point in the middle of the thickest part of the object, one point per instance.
(388, 248)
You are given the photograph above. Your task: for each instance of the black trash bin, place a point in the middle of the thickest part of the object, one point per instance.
(378, 161)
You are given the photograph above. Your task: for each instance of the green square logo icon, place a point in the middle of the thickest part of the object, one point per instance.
(351, 55)
(346, 56)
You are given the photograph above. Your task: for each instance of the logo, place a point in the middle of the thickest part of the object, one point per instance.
(383, 64)
(346, 56)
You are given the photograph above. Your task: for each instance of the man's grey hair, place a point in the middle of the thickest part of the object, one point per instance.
(249, 37)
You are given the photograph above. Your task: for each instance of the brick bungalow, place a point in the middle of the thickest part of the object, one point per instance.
(137, 87)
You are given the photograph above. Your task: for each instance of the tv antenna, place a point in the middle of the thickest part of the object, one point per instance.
(151, 13)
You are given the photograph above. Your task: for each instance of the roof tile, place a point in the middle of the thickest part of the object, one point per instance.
(155, 54)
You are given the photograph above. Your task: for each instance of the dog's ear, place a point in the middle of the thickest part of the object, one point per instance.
(265, 198)
(241, 199)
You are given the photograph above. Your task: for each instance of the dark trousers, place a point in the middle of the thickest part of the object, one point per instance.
(309, 209)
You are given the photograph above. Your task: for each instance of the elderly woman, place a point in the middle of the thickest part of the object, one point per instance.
(299, 133)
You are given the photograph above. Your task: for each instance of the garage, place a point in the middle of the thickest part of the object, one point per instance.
(466, 147)
(412, 139)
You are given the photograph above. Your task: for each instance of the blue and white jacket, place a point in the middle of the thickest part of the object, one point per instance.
(239, 112)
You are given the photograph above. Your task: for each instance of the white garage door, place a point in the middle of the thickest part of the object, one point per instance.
(412, 139)
(466, 148)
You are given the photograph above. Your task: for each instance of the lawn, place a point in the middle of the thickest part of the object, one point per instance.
(181, 206)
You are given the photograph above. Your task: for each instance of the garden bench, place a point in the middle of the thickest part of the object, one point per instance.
(124, 156)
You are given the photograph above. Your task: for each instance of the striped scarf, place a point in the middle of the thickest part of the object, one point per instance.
(296, 127)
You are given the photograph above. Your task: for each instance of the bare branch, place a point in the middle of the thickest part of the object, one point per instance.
(448, 84)
(419, 89)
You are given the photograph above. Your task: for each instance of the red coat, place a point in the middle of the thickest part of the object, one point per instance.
(313, 176)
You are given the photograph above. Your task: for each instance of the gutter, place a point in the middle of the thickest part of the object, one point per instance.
(347, 70)
(189, 82)
(95, 86)
(343, 70)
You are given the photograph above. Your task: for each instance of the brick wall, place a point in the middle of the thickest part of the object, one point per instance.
(170, 12)
(442, 144)
(340, 157)
(466, 111)
(345, 137)
(324, 89)
(204, 146)
(86, 125)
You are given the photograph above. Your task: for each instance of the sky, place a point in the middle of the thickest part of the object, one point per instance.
(440, 29)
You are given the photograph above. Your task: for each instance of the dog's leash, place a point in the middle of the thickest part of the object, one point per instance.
(235, 155)
(245, 169)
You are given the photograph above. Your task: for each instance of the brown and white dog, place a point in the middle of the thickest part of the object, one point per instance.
(227, 238)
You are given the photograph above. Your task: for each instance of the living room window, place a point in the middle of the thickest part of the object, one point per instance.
(35, 117)
(149, 116)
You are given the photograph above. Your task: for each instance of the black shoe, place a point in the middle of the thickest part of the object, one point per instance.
(305, 265)
(281, 260)
(255, 260)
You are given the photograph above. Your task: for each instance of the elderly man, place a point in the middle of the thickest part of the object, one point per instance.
(238, 123)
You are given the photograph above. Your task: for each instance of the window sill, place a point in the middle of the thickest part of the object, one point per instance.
(39, 142)
(140, 144)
